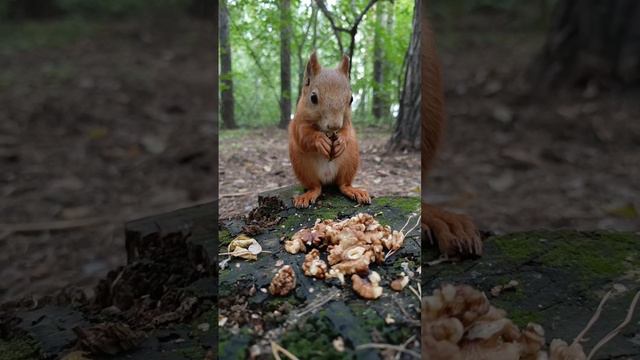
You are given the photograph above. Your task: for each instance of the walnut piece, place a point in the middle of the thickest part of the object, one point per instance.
(367, 289)
(283, 282)
(294, 246)
(313, 265)
(399, 283)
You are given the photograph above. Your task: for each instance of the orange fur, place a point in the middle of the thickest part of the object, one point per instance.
(315, 158)
(455, 234)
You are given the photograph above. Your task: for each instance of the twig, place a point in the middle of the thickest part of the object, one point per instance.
(389, 346)
(415, 292)
(619, 328)
(406, 314)
(275, 349)
(312, 306)
(414, 226)
(593, 319)
(407, 223)
(404, 345)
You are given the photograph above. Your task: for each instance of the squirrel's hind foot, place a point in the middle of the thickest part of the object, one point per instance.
(306, 199)
(361, 196)
(456, 234)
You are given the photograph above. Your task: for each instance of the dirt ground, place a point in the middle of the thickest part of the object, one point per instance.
(252, 161)
(109, 126)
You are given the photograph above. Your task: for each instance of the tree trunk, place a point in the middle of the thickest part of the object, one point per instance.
(285, 63)
(591, 42)
(227, 102)
(406, 135)
(203, 9)
(378, 99)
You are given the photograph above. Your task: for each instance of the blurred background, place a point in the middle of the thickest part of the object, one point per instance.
(543, 106)
(107, 114)
(264, 48)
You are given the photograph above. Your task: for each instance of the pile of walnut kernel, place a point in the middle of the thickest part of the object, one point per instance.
(459, 323)
(351, 246)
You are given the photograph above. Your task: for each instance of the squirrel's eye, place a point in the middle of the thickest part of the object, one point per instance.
(351, 100)
(314, 98)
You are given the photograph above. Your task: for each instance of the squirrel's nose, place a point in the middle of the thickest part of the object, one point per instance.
(333, 127)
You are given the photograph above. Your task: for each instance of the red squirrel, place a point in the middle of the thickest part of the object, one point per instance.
(455, 234)
(322, 141)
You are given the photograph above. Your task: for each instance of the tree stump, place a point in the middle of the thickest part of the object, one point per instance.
(562, 277)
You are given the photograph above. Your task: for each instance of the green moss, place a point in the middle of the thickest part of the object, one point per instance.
(601, 255)
(19, 349)
(224, 237)
(404, 203)
(275, 303)
(523, 317)
(193, 353)
(518, 248)
(232, 346)
(313, 340)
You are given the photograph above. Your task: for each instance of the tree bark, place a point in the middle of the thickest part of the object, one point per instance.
(285, 63)
(227, 102)
(406, 135)
(591, 42)
(378, 97)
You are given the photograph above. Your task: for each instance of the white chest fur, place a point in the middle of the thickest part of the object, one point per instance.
(326, 170)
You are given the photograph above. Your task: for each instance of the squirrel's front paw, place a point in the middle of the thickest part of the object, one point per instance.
(323, 145)
(339, 145)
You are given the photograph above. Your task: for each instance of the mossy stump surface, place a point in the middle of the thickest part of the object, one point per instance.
(562, 277)
(309, 334)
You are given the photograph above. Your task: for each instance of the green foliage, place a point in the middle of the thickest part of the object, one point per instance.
(119, 8)
(255, 42)
(32, 34)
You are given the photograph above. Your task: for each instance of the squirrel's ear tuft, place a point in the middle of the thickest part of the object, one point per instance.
(344, 65)
(313, 66)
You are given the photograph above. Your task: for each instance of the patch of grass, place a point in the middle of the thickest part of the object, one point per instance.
(50, 34)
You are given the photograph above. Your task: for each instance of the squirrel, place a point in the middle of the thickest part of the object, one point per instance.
(322, 141)
(455, 234)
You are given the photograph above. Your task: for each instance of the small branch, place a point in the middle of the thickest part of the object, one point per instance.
(389, 346)
(276, 349)
(336, 29)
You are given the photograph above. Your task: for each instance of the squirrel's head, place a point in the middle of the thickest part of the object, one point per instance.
(326, 95)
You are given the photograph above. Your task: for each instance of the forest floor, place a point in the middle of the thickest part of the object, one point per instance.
(102, 121)
(252, 161)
